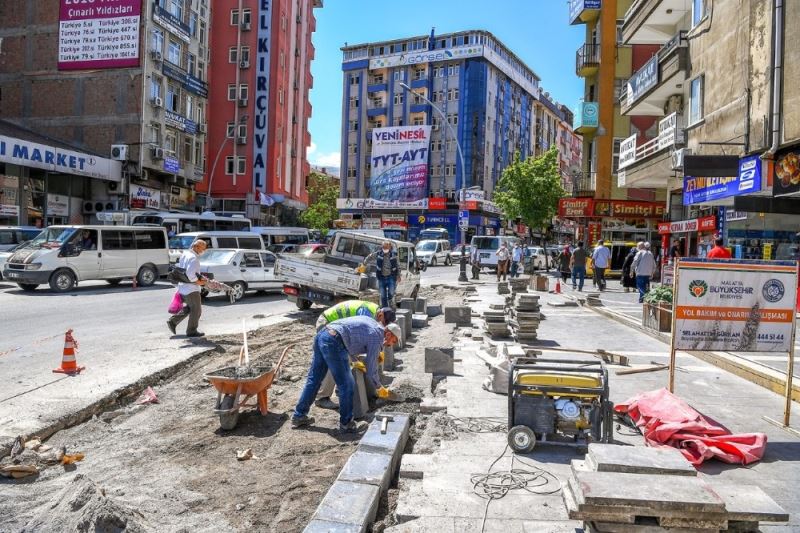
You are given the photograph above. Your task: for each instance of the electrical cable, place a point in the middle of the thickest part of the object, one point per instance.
(457, 424)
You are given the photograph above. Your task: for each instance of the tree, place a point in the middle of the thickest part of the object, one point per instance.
(323, 190)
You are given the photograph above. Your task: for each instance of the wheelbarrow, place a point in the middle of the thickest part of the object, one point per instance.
(235, 388)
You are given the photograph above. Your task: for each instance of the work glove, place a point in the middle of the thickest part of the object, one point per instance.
(360, 269)
(383, 393)
(381, 358)
(358, 365)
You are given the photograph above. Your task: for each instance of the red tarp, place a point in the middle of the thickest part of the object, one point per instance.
(666, 420)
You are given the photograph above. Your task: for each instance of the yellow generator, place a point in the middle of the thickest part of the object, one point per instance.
(558, 401)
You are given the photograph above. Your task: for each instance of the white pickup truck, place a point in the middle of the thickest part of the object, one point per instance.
(335, 278)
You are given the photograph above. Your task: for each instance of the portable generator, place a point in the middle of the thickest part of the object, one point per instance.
(558, 401)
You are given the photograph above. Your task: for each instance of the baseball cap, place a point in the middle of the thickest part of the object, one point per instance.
(395, 329)
(388, 314)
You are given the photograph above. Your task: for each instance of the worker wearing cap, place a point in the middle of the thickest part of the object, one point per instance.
(347, 309)
(333, 348)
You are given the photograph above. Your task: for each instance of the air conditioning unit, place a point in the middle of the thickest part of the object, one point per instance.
(245, 63)
(155, 55)
(157, 101)
(241, 140)
(245, 26)
(119, 152)
(156, 152)
(202, 128)
(89, 208)
(242, 102)
(116, 187)
(678, 157)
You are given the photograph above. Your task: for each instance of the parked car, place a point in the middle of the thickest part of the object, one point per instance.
(5, 254)
(434, 252)
(214, 239)
(244, 270)
(457, 250)
(283, 248)
(536, 259)
(11, 236)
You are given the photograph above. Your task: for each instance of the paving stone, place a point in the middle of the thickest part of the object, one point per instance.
(413, 465)
(360, 399)
(748, 503)
(432, 405)
(418, 320)
(421, 305)
(390, 443)
(349, 504)
(388, 358)
(459, 315)
(408, 304)
(638, 460)
(434, 310)
(439, 361)
(369, 468)
(324, 526)
(644, 527)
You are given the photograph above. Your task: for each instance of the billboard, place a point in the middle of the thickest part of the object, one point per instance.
(706, 189)
(787, 173)
(735, 305)
(399, 165)
(99, 35)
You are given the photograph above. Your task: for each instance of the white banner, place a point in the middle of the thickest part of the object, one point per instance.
(627, 152)
(369, 203)
(736, 306)
(30, 154)
(399, 165)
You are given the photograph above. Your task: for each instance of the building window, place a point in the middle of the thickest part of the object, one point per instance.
(239, 165)
(242, 133)
(173, 98)
(189, 107)
(155, 87)
(452, 70)
(231, 92)
(244, 91)
(233, 55)
(201, 70)
(376, 79)
(193, 19)
(191, 62)
(352, 149)
(354, 101)
(398, 121)
(620, 22)
(355, 80)
(437, 123)
(234, 19)
(698, 11)
(419, 73)
(174, 52)
(202, 37)
(418, 98)
(615, 155)
(231, 129)
(155, 134)
(419, 121)
(351, 173)
(452, 119)
(399, 75)
(170, 142)
(246, 16)
(438, 72)
(157, 41)
(696, 100)
(377, 102)
(176, 9)
(198, 153)
(353, 125)
(399, 98)
(245, 54)
(452, 94)
(619, 86)
(436, 146)
(188, 149)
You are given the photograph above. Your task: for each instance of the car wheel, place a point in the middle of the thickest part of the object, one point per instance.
(433, 261)
(448, 261)
(27, 287)
(303, 304)
(146, 276)
(238, 290)
(62, 280)
(203, 293)
(114, 282)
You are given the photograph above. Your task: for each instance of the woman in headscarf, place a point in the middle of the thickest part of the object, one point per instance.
(563, 261)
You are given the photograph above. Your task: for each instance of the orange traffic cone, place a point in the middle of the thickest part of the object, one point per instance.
(135, 285)
(558, 286)
(68, 363)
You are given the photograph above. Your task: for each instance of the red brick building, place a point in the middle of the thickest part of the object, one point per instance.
(261, 55)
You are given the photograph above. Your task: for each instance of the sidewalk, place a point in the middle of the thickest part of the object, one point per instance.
(436, 490)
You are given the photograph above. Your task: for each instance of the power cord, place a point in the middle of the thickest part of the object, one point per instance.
(474, 425)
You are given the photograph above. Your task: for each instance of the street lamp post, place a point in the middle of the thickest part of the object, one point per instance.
(209, 199)
(463, 265)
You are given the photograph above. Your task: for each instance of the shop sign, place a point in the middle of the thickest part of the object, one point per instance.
(371, 223)
(491, 207)
(172, 165)
(628, 209)
(643, 80)
(369, 203)
(145, 198)
(98, 35)
(171, 22)
(57, 205)
(433, 220)
(575, 207)
(708, 223)
(180, 123)
(472, 194)
(491, 222)
(393, 224)
(669, 131)
(470, 205)
(34, 155)
(190, 83)
(595, 230)
(426, 56)
(437, 203)
(732, 216)
(705, 189)
(627, 152)
(787, 173)
(736, 306)
(9, 210)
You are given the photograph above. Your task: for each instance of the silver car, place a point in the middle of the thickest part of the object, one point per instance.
(244, 270)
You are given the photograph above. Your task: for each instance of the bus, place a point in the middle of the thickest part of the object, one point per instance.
(178, 222)
(274, 235)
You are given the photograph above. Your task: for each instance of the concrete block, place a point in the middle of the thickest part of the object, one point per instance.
(390, 443)
(748, 503)
(419, 321)
(360, 399)
(432, 405)
(421, 305)
(413, 465)
(439, 361)
(323, 526)
(348, 504)
(434, 310)
(459, 315)
(369, 468)
(408, 304)
(406, 317)
(638, 460)
(388, 357)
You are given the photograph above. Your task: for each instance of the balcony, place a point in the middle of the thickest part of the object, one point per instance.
(376, 111)
(587, 118)
(377, 87)
(419, 84)
(581, 184)
(587, 60)
(652, 21)
(583, 11)
(648, 90)
(650, 164)
(420, 108)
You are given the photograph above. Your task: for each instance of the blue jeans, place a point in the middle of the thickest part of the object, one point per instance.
(578, 272)
(514, 269)
(329, 354)
(641, 283)
(387, 287)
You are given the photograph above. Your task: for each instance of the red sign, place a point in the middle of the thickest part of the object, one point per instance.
(471, 205)
(575, 207)
(394, 224)
(663, 228)
(437, 203)
(595, 230)
(590, 207)
(708, 223)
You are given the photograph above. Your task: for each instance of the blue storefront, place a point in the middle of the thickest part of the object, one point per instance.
(478, 225)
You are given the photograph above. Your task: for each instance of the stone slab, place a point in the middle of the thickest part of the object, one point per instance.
(434, 310)
(370, 468)
(645, 527)
(408, 304)
(414, 465)
(432, 405)
(656, 492)
(388, 358)
(459, 315)
(324, 526)
(439, 361)
(360, 399)
(421, 305)
(390, 443)
(419, 320)
(748, 503)
(350, 504)
(638, 460)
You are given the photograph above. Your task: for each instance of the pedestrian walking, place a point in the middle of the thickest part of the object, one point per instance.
(190, 290)
(644, 264)
(475, 262)
(578, 264)
(601, 260)
(564, 260)
(516, 260)
(347, 309)
(387, 272)
(719, 251)
(628, 276)
(334, 345)
(503, 258)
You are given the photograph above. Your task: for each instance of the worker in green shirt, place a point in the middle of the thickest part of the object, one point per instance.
(347, 309)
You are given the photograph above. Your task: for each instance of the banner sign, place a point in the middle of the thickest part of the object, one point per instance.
(643, 80)
(400, 164)
(699, 190)
(190, 83)
(575, 207)
(172, 165)
(627, 152)
(145, 198)
(735, 305)
(628, 209)
(34, 155)
(426, 56)
(169, 21)
(369, 203)
(437, 203)
(180, 122)
(101, 35)
(261, 95)
(595, 230)
(787, 173)
(432, 220)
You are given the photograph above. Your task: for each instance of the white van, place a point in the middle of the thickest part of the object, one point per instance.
(434, 252)
(62, 256)
(488, 245)
(214, 239)
(280, 235)
(11, 236)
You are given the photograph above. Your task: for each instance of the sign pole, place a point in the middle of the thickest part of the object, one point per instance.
(675, 285)
(787, 410)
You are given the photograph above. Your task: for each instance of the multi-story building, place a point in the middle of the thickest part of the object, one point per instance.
(600, 206)
(143, 104)
(711, 86)
(261, 55)
(481, 91)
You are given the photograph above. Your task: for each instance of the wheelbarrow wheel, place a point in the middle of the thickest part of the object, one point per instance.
(228, 421)
(522, 439)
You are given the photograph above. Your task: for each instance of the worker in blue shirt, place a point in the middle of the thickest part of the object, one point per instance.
(334, 345)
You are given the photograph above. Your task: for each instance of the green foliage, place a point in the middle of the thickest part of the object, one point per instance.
(661, 294)
(530, 189)
(322, 194)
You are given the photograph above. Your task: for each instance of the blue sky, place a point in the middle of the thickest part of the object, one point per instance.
(536, 30)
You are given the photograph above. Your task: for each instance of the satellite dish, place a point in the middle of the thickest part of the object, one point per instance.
(575, 170)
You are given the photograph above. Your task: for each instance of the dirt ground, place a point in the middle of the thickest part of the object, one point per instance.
(169, 467)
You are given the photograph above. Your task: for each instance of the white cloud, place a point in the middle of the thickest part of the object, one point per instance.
(332, 159)
(311, 148)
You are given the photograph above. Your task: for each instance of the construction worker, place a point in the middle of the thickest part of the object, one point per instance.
(346, 309)
(333, 348)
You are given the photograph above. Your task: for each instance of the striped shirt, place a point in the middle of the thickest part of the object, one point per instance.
(361, 334)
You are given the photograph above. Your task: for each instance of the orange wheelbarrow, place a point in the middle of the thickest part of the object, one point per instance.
(235, 388)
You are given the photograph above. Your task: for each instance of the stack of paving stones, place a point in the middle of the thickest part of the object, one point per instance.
(593, 299)
(526, 318)
(519, 285)
(496, 320)
(632, 489)
(502, 288)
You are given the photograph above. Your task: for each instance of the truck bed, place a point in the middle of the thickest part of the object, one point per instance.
(336, 280)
